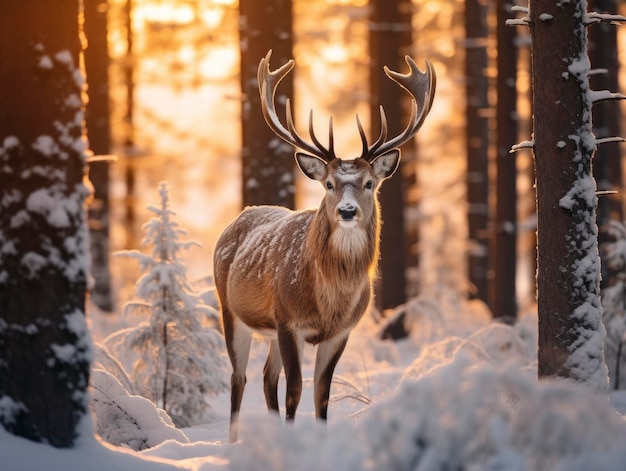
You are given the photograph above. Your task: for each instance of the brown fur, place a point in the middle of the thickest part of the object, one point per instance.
(302, 280)
(302, 276)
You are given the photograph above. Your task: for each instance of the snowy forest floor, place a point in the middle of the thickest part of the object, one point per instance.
(460, 393)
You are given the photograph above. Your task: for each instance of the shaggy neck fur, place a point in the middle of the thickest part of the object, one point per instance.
(341, 254)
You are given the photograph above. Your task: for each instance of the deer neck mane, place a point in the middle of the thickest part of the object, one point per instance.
(341, 254)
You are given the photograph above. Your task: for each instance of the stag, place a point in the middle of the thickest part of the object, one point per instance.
(296, 276)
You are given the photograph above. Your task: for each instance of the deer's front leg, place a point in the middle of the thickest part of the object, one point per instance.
(290, 345)
(328, 354)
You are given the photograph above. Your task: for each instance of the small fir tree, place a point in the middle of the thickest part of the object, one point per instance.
(179, 345)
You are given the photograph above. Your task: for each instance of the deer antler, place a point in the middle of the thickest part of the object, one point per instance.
(268, 82)
(421, 86)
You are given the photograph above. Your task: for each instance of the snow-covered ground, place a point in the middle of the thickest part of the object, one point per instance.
(460, 393)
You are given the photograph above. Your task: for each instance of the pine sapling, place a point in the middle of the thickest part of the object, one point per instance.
(177, 339)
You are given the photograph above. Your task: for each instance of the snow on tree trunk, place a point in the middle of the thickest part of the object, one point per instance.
(571, 333)
(45, 347)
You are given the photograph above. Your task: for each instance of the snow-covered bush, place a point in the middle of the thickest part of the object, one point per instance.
(614, 306)
(468, 404)
(179, 350)
(124, 419)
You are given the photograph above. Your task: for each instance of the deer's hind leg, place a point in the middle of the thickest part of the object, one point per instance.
(238, 339)
(271, 373)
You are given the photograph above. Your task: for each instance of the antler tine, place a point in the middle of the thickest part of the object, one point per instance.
(328, 153)
(363, 137)
(421, 86)
(319, 150)
(371, 150)
(331, 137)
(268, 82)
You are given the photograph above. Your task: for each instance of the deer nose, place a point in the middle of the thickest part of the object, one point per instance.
(347, 213)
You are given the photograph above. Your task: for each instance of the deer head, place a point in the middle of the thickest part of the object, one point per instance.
(350, 184)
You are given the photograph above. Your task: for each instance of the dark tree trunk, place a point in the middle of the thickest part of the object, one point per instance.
(268, 163)
(477, 143)
(571, 333)
(503, 299)
(99, 134)
(44, 342)
(390, 38)
(129, 123)
(607, 164)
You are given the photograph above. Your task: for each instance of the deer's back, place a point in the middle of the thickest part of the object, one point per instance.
(262, 237)
(254, 256)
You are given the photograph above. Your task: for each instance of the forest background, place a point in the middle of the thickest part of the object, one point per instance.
(176, 109)
(174, 82)
(176, 105)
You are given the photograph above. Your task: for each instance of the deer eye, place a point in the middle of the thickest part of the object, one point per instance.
(369, 185)
(329, 185)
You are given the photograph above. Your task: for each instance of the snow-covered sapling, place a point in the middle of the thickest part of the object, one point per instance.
(180, 347)
(307, 275)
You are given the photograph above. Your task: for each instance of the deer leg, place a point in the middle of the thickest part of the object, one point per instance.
(328, 354)
(290, 345)
(271, 373)
(238, 339)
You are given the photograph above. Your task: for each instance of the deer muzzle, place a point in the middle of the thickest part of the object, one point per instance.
(348, 214)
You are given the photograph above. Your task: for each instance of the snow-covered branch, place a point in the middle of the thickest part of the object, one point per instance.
(594, 18)
(522, 145)
(598, 96)
(606, 140)
(524, 21)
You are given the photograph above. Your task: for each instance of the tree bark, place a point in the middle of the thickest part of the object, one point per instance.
(390, 39)
(268, 163)
(607, 164)
(571, 332)
(99, 134)
(477, 147)
(129, 124)
(503, 294)
(44, 343)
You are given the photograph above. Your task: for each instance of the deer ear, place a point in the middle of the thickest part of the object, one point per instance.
(385, 165)
(313, 167)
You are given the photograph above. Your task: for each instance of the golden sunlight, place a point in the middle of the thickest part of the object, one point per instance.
(164, 13)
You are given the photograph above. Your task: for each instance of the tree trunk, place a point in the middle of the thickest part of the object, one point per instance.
(268, 163)
(477, 143)
(44, 342)
(607, 165)
(571, 332)
(503, 299)
(166, 369)
(129, 123)
(390, 39)
(99, 134)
